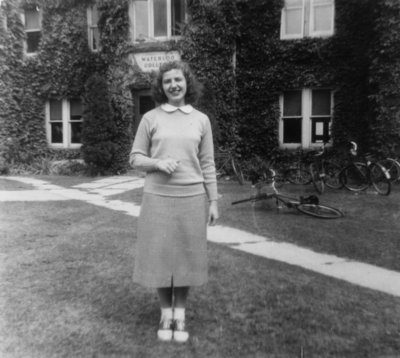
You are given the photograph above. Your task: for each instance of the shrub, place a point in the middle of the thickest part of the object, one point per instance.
(99, 131)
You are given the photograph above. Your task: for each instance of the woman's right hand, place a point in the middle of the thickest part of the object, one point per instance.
(168, 165)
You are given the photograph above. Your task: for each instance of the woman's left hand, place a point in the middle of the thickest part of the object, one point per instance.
(213, 213)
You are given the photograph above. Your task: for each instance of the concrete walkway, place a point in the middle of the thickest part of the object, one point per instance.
(97, 193)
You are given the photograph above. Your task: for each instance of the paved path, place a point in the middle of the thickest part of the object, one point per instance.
(97, 193)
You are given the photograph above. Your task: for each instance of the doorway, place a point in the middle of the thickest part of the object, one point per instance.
(143, 102)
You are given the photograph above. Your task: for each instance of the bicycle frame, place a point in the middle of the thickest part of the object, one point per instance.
(324, 172)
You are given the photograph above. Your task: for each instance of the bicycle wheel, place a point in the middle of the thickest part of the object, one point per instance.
(238, 172)
(297, 176)
(317, 179)
(320, 211)
(393, 167)
(380, 179)
(332, 175)
(355, 177)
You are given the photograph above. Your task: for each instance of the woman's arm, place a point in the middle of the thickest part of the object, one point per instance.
(207, 164)
(206, 157)
(146, 164)
(213, 214)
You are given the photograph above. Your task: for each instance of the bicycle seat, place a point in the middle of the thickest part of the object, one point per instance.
(312, 199)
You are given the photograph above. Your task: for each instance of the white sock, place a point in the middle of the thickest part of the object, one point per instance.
(179, 313)
(166, 313)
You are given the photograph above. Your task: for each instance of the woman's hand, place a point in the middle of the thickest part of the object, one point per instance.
(213, 213)
(168, 165)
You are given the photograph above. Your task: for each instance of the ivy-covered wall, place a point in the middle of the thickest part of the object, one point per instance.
(384, 80)
(360, 63)
(235, 50)
(59, 70)
(209, 45)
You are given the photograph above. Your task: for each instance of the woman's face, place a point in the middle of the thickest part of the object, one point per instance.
(175, 87)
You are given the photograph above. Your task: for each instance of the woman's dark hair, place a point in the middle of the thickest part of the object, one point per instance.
(194, 88)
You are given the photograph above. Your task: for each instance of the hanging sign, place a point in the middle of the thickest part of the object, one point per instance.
(151, 61)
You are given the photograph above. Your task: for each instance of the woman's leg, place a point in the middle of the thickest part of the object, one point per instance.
(164, 332)
(165, 296)
(180, 297)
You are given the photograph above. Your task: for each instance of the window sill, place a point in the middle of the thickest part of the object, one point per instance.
(64, 147)
(310, 146)
(316, 35)
(156, 40)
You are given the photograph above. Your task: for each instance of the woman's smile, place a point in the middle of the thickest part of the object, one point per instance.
(175, 86)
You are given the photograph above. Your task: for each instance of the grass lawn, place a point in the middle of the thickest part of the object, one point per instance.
(66, 288)
(369, 232)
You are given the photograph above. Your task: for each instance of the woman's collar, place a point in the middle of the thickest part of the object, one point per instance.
(170, 108)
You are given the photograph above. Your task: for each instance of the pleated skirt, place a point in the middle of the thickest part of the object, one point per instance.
(171, 246)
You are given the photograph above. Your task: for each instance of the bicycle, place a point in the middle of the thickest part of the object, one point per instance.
(358, 176)
(298, 173)
(307, 205)
(226, 165)
(325, 172)
(258, 170)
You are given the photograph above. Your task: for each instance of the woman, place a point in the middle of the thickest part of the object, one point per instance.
(174, 146)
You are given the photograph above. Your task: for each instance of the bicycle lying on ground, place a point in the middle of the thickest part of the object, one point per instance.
(226, 165)
(307, 205)
(358, 176)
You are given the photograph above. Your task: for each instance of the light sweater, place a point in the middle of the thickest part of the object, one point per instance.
(183, 135)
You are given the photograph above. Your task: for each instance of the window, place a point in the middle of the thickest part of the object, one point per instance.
(301, 18)
(64, 120)
(32, 21)
(156, 19)
(93, 16)
(306, 117)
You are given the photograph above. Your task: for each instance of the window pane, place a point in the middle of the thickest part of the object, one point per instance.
(76, 109)
(322, 18)
(293, 21)
(55, 111)
(56, 133)
(320, 130)
(292, 130)
(32, 20)
(146, 104)
(321, 102)
(292, 103)
(76, 130)
(160, 18)
(177, 16)
(141, 19)
(32, 41)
